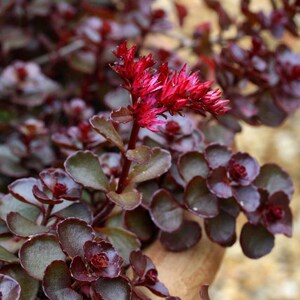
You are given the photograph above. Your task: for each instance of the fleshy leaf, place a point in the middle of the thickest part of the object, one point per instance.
(122, 240)
(57, 282)
(221, 229)
(217, 155)
(165, 212)
(204, 292)
(256, 241)
(38, 253)
(129, 199)
(107, 130)
(139, 222)
(192, 164)
(72, 234)
(23, 227)
(122, 115)
(147, 189)
(84, 167)
(9, 288)
(248, 197)
(185, 237)
(9, 203)
(218, 183)
(140, 155)
(29, 285)
(76, 210)
(113, 288)
(199, 199)
(159, 163)
(7, 256)
(22, 190)
(273, 179)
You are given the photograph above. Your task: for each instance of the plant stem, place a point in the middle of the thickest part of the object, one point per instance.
(123, 178)
(47, 214)
(127, 163)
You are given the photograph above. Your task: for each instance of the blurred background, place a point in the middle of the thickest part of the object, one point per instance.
(276, 276)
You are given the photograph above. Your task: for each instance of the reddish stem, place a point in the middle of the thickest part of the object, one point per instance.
(127, 163)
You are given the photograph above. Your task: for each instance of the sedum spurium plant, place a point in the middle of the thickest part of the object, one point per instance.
(108, 145)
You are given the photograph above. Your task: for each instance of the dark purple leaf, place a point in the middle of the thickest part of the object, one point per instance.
(230, 206)
(218, 183)
(248, 197)
(188, 235)
(147, 189)
(76, 210)
(192, 164)
(22, 190)
(221, 229)
(9, 288)
(57, 282)
(139, 222)
(38, 253)
(256, 241)
(29, 286)
(115, 288)
(217, 155)
(72, 234)
(165, 212)
(274, 179)
(80, 271)
(158, 289)
(199, 199)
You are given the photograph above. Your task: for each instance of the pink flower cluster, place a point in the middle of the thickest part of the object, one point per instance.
(158, 91)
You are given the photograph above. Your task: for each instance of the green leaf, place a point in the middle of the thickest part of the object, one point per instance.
(129, 199)
(6, 256)
(38, 253)
(158, 164)
(23, 227)
(140, 155)
(165, 212)
(29, 285)
(72, 234)
(76, 210)
(113, 288)
(107, 130)
(123, 240)
(10, 204)
(57, 282)
(9, 288)
(84, 167)
(192, 164)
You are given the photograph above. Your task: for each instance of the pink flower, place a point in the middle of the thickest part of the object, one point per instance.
(146, 113)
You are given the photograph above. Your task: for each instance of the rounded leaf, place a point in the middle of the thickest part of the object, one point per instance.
(274, 179)
(38, 253)
(217, 155)
(9, 288)
(185, 237)
(158, 164)
(199, 199)
(121, 115)
(7, 256)
(21, 226)
(113, 288)
(107, 130)
(57, 282)
(221, 229)
(76, 210)
(256, 241)
(165, 212)
(247, 197)
(72, 234)
(84, 167)
(218, 183)
(140, 155)
(129, 199)
(192, 164)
